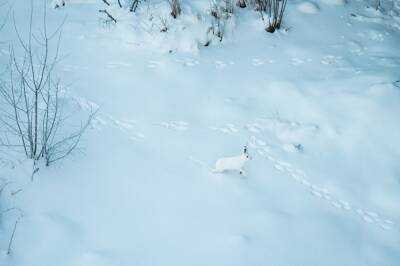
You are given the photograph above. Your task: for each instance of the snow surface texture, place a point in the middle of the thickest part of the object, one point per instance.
(317, 103)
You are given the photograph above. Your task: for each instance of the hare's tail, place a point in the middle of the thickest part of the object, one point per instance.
(203, 164)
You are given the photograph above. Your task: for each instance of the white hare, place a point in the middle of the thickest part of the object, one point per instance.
(235, 163)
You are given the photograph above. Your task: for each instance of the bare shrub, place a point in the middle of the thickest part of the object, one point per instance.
(377, 4)
(220, 13)
(241, 3)
(175, 8)
(273, 10)
(32, 109)
(228, 6)
(260, 5)
(163, 24)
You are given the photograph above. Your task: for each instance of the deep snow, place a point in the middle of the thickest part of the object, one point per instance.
(317, 103)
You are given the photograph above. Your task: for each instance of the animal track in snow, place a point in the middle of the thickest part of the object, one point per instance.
(221, 64)
(70, 68)
(118, 64)
(257, 62)
(373, 35)
(334, 2)
(136, 136)
(190, 62)
(331, 60)
(377, 19)
(339, 63)
(254, 128)
(153, 64)
(297, 61)
(229, 129)
(386, 61)
(98, 122)
(355, 48)
(317, 191)
(292, 148)
(127, 127)
(174, 125)
(124, 124)
(86, 104)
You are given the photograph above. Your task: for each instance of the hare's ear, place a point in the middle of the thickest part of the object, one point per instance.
(245, 150)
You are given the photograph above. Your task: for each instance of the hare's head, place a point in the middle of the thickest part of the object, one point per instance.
(246, 153)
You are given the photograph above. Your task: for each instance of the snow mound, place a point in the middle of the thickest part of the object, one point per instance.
(154, 28)
(308, 8)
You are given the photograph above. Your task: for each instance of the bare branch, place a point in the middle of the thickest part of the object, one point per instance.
(106, 2)
(108, 15)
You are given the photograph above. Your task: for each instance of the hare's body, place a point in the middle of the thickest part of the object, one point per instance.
(235, 163)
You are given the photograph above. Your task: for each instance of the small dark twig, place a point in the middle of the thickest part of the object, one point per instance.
(35, 170)
(108, 15)
(106, 2)
(134, 6)
(12, 236)
(119, 3)
(16, 192)
(3, 187)
(10, 209)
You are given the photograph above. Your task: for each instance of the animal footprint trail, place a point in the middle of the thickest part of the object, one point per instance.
(127, 127)
(221, 64)
(189, 62)
(229, 129)
(98, 122)
(71, 68)
(255, 128)
(331, 60)
(257, 62)
(118, 64)
(174, 125)
(153, 64)
(297, 61)
(316, 191)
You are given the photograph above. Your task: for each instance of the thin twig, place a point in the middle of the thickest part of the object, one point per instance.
(134, 5)
(16, 192)
(12, 236)
(108, 15)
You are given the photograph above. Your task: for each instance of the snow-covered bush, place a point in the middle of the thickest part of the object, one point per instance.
(171, 25)
(32, 109)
